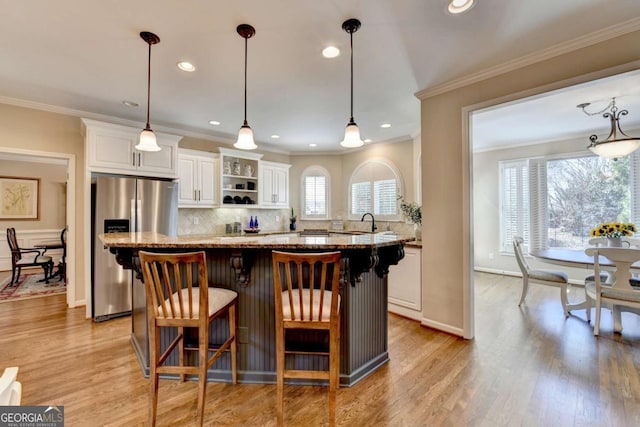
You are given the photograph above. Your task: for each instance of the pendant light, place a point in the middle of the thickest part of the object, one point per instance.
(351, 133)
(245, 136)
(147, 141)
(618, 144)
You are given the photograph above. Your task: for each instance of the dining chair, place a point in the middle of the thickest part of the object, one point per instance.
(598, 242)
(35, 259)
(618, 293)
(306, 292)
(555, 278)
(178, 296)
(10, 388)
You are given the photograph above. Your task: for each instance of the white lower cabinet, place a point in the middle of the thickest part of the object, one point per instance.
(405, 285)
(197, 179)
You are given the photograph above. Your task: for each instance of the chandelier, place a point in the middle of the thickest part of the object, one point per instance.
(617, 144)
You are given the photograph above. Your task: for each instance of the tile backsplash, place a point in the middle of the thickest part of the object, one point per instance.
(213, 221)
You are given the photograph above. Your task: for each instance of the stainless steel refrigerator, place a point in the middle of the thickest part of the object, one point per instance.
(121, 203)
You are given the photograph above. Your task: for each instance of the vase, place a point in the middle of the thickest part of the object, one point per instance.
(292, 226)
(614, 242)
(418, 232)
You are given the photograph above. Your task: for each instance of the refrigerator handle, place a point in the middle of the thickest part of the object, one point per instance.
(133, 159)
(139, 159)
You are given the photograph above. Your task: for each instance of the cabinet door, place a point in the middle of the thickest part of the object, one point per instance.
(160, 162)
(112, 150)
(207, 182)
(267, 186)
(281, 187)
(405, 284)
(187, 172)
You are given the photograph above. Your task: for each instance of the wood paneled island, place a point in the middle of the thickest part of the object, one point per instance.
(243, 264)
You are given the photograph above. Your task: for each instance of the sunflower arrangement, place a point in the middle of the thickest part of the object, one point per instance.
(613, 229)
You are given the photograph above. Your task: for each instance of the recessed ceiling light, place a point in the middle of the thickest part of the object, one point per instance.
(186, 66)
(459, 6)
(214, 122)
(330, 52)
(313, 145)
(367, 140)
(385, 125)
(130, 103)
(275, 136)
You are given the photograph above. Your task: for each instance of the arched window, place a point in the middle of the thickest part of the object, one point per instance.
(315, 185)
(374, 187)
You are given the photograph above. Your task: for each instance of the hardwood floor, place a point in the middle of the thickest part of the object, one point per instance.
(527, 366)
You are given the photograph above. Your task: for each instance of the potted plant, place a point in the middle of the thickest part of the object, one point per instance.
(292, 221)
(412, 212)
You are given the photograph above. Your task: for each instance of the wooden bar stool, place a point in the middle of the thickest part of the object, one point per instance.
(306, 289)
(175, 300)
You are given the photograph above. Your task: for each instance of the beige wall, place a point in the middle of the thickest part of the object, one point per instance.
(27, 129)
(333, 164)
(445, 176)
(212, 146)
(53, 185)
(341, 167)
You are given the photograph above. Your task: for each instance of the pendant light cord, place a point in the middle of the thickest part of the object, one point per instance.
(351, 43)
(245, 80)
(148, 86)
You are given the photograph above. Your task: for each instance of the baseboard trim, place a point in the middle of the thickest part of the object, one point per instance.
(442, 327)
(574, 282)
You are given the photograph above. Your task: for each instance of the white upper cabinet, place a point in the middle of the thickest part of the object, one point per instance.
(111, 149)
(273, 181)
(198, 179)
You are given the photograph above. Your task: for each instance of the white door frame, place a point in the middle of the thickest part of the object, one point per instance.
(71, 214)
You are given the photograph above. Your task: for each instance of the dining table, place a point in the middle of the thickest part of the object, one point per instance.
(61, 267)
(577, 258)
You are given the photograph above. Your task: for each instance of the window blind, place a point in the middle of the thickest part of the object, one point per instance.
(315, 195)
(360, 197)
(514, 203)
(538, 212)
(385, 197)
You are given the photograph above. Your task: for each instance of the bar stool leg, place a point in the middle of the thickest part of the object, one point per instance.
(280, 371)
(234, 346)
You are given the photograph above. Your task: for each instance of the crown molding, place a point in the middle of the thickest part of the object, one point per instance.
(586, 40)
(220, 139)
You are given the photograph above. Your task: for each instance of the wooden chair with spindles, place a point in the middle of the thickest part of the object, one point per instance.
(178, 296)
(306, 290)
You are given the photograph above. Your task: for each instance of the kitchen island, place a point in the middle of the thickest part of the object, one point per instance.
(243, 264)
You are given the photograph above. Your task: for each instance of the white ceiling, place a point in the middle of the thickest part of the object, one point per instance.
(554, 116)
(87, 56)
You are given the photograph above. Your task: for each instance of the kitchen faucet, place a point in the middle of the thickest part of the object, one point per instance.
(373, 221)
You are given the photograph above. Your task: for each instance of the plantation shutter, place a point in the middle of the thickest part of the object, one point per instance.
(634, 181)
(386, 199)
(539, 215)
(315, 195)
(514, 203)
(360, 197)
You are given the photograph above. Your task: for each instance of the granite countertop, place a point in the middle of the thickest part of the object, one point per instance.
(414, 244)
(262, 240)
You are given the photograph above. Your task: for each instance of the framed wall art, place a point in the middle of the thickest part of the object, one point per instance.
(19, 198)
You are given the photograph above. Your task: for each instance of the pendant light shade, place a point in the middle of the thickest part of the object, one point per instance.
(351, 133)
(147, 140)
(245, 135)
(617, 144)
